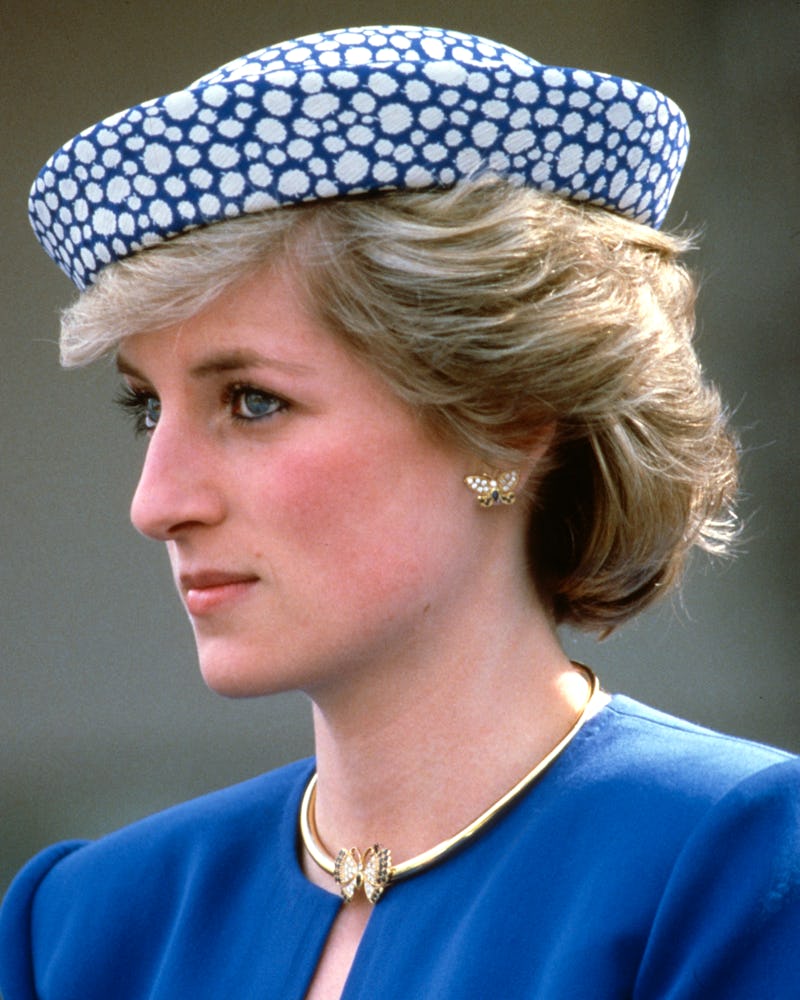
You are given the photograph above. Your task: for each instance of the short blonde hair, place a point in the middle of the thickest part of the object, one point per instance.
(496, 311)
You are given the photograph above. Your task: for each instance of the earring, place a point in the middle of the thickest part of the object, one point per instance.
(497, 488)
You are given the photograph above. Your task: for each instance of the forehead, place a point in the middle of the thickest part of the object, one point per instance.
(260, 321)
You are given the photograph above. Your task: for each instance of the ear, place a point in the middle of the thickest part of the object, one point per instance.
(500, 478)
(541, 445)
(537, 458)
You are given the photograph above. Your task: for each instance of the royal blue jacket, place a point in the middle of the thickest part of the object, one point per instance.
(654, 860)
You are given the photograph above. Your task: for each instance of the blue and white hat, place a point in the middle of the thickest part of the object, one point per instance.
(347, 112)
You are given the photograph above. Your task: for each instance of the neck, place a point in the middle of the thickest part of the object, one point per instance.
(473, 725)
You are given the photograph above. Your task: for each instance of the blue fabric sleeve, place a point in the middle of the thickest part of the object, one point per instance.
(728, 925)
(16, 957)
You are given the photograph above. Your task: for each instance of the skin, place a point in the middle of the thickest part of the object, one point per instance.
(323, 540)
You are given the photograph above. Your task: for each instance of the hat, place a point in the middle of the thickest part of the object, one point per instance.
(347, 112)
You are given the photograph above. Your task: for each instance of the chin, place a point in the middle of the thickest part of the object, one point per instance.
(231, 680)
(238, 687)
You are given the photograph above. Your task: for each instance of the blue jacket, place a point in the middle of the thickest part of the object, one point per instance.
(653, 860)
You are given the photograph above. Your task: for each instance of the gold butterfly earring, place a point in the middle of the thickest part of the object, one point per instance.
(493, 489)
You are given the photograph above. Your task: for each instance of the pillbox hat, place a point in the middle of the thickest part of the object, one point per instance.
(348, 112)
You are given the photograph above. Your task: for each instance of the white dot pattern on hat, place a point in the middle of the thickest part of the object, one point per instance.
(347, 112)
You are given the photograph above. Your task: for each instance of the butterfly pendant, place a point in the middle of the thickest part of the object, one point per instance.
(490, 490)
(372, 872)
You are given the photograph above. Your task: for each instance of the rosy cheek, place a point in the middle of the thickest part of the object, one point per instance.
(316, 490)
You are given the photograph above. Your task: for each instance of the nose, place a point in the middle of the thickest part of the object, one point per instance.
(180, 486)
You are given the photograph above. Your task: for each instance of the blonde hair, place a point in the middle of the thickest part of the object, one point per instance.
(497, 311)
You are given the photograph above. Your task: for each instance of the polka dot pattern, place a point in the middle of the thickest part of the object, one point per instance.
(346, 112)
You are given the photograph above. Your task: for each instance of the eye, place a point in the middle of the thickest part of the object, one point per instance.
(143, 406)
(248, 403)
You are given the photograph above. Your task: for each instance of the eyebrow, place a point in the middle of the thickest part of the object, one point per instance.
(224, 361)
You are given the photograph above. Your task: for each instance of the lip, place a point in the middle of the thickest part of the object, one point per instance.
(209, 590)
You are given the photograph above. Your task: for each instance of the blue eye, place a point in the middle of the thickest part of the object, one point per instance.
(248, 403)
(151, 411)
(144, 407)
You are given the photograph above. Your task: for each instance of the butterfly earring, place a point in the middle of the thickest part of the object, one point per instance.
(497, 488)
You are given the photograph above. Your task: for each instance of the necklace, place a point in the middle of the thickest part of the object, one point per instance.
(373, 870)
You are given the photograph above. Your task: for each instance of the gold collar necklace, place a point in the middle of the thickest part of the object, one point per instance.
(373, 870)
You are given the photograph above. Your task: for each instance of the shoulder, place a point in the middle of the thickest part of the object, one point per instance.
(721, 819)
(221, 821)
(639, 787)
(690, 841)
(633, 746)
(698, 779)
(143, 874)
(224, 820)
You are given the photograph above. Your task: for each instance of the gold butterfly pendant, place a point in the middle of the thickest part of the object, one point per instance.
(372, 872)
(490, 490)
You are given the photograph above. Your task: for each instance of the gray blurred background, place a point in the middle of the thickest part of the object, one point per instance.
(102, 711)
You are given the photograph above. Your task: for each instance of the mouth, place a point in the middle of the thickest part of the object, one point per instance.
(209, 591)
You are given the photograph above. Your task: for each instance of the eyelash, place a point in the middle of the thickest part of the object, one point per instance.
(135, 402)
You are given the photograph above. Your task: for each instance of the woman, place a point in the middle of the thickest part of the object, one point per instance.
(414, 363)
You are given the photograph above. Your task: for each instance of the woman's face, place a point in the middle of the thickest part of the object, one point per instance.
(314, 527)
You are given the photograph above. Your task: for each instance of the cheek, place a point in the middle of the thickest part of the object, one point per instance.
(315, 489)
(307, 507)
(372, 519)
